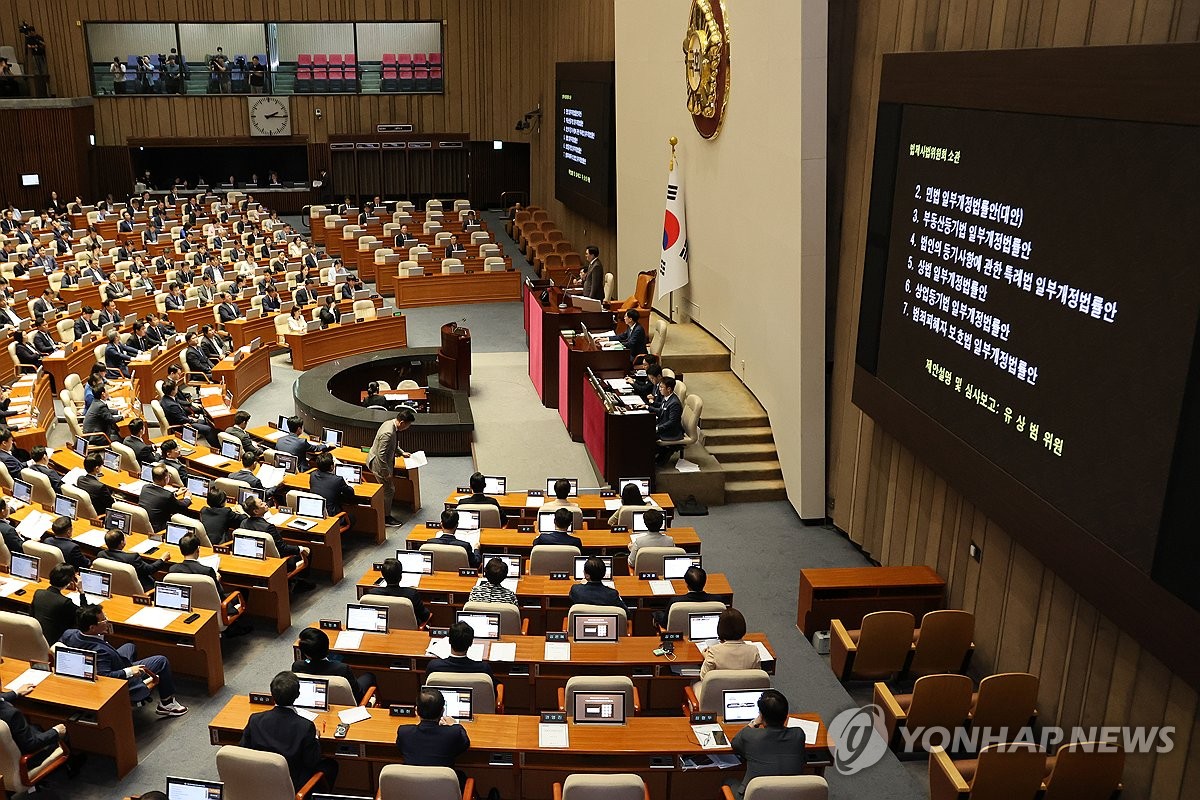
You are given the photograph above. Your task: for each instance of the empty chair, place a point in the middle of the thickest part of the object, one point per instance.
(408, 383)
(364, 309)
(650, 559)
(447, 557)
(23, 637)
(658, 337)
(877, 651)
(1007, 700)
(489, 515)
(511, 623)
(599, 683)
(1001, 772)
(587, 609)
(486, 698)
(937, 701)
(708, 695)
(943, 643)
(401, 616)
(124, 577)
(19, 775)
(403, 781)
(602, 787)
(258, 775)
(494, 264)
(340, 691)
(204, 595)
(547, 558)
(1084, 771)
(43, 490)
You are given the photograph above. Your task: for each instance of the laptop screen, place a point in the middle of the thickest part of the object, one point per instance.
(550, 486)
(231, 450)
(286, 461)
(486, 624)
(24, 566)
(458, 701)
(81, 446)
(74, 663)
(513, 561)
(468, 520)
(112, 460)
(741, 705)
(197, 485)
(173, 596)
(310, 506)
(66, 506)
(333, 437)
(95, 583)
(595, 627)
(175, 532)
(351, 473)
(191, 789)
(371, 619)
(22, 491)
(249, 546)
(581, 560)
(189, 434)
(546, 522)
(675, 566)
(495, 484)
(314, 694)
(415, 561)
(703, 626)
(605, 708)
(643, 485)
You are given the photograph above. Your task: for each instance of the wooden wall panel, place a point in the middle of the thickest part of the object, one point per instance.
(50, 142)
(1091, 672)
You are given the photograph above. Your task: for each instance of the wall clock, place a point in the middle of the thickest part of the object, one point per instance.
(270, 116)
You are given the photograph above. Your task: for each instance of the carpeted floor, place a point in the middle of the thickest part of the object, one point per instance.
(760, 546)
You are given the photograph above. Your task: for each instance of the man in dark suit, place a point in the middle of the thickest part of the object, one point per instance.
(39, 461)
(93, 271)
(331, 486)
(563, 518)
(228, 310)
(449, 528)
(189, 548)
(14, 540)
(670, 417)
(310, 260)
(59, 536)
(296, 443)
(196, 360)
(219, 519)
(142, 451)
(256, 520)
(116, 355)
(238, 430)
(306, 295)
(246, 473)
(695, 578)
(174, 300)
(281, 730)
(592, 276)
(435, 741)
(767, 745)
(392, 572)
(126, 223)
(28, 738)
(271, 301)
(314, 660)
(101, 495)
(86, 323)
(53, 610)
(177, 415)
(462, 636)
(108, 313)
(118, 662)
(593, 592)
(160, 501)
(478, 482)
(171, 457)
(114, 550)
(10, 461)
(44, 304)
(404, 238)
(634, 337)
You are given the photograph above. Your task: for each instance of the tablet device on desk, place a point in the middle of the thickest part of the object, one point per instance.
(287, 462)
(675, 566)
(639, 522)
(66, 506)
(595, 627)
(147, 473)
(312, 507)
(24, 566)
(174, 596)
(513, 562)
(249, 546)
(486, 624)
(255, 343)
(111, 460)
(314, 694)
(351, 473)
(546, 522)
(175, 532)
(189, 434)
(94, 583)
(468, 520)
(246, 491)
(643, 485)
(192, 789)
(599, 708)
(702, 627)
(116, 520)
(231, 450)
(282, 422)
(197, 485)
(458, 701)
(415, 562)
(741, 705)
(72, 663)
(81, 446)
(333, 437)
(22, 491)
(550, 486)
(495, 484)
(581, 560)
(371, 619)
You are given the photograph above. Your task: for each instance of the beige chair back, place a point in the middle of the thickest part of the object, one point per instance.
(625, 514)
(939, 701)
(710, 692)
(658, 337)
(547, 558)
(340, 691)
(942, 642)
(588, 608)
(483, 693)
(230, 486)
(1007, 700)
(401, 781)
(1084, 771)
(129, 462)
(269, 547)
(650, 559)
(447, 557)
(85, 509)
(599, 683)
(48, 555)
(5, 479)
(204, 593)
(401, 616)
(254, 774)
(141, 520)
(364, 309)
(195, 526)
(677, 616)
(787, 787)
(883, 644)
(23, 639)
(124, 576)
(5, 555)
(621, 786)
(510, 615)
(10, 762)
(489, 515)
(43, 491)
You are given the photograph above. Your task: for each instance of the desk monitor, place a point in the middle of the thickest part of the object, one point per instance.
(81, 446)
(314, 694)
(333, 437)
(639, 522)
(351, 473)
(192, 789)
(22, 490)
(228, 396)
(255, 343)
(468, 520)
(111, 460)
(458, 701)
(175, 532)
(546, 522)
(231, 450)
(486, 624)
(94, 583)
(66, 506)
(287, 462)
(371, 619)
(600, 708)
(249, 546)
(313, 507)
(643, 485)
(189, 434)
(702, 627)
(24, 566)
(741, 705)
(595, 627)
(147, 473)
(513, 561)
(550, 486)
(72, 663)
(246, 491)
(174, 596)
(346, 318)
(415, 562)
(282, 423)
(495, 484)
(581, 560)
(197, 485)
(675, 566)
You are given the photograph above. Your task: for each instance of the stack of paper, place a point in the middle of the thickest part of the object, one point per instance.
(34, 676)
(93, 537)
(349, 716)
(213, 561)
(71, 477)
(810, 728)
(535, 501)
(763, 653)
(416, 460)
(151, 617)
(551, 734)
(10, 585)
(208, 391)
(269, 475)
(278, 518)
(438, 648)
(410, 580)
(34, 525)
(212, 460)
(143, 546)
(135, 487)
(348, 640)
(683, 465)
(711, 737)
(662, 588)
(557, 651)
(502, 651)
(612, 503)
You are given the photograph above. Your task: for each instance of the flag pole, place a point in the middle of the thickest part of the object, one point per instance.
(674, 140)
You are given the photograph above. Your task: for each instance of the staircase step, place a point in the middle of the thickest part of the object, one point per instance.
(724, 436)
(752, 471)
(739, 491)
(732, 453)
(725, 423)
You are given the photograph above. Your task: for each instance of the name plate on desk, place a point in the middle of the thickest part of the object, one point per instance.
(619, 529)
(142, 601)
(464, 490)
(554, 717)
(222, 549)
(438, 633)
(261, 699)
(377, 566)
(556, 636)
(671, 636)
(436, 526)
(467, 572)
(560, 576)
(607, 493)
(535, 493)
(647, 576)
(703, 719)
(524, 529)
(402, 711)
(331, 624)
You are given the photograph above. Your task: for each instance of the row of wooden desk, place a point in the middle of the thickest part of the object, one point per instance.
(317, 347)
(434, 288)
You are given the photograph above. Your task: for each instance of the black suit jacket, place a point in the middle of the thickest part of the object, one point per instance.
(145, 569)
(70, 550)
(327, 668)
(595, 594)
(160, 504)
(670, 419)
(190, 566)
(460, 664)
(333, 488)
(14, 540)
(55, 612)
(102, 496)
(431, 744)
(634, 339)
(218, 522)
(228, 312)
(557, 537)
(143, 452)
(28, 738)
(175, 413)
(55, 479)
(198, 362)
(281, 730)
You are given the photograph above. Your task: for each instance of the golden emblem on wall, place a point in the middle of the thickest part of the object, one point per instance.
(706, 65)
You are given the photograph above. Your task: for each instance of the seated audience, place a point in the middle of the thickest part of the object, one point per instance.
(767, 745)
(592, 591)
(314, 660)
(281, 730)
(733, 651)
(462, 636)
(392, 572)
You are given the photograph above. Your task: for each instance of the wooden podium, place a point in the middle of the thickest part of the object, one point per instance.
(454, 358)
